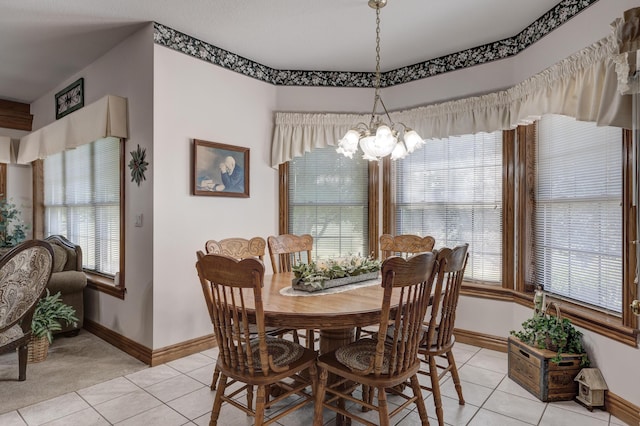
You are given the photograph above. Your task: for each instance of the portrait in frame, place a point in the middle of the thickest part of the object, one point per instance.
(220, 170)
(70, 98)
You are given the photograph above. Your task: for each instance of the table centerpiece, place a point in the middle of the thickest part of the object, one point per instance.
(324, 274)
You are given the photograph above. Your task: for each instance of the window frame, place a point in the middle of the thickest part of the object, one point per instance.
(518, 157)
(373, 202)
(508, 175)
(96, 281)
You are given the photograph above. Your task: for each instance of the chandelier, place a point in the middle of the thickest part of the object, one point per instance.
(379, 138)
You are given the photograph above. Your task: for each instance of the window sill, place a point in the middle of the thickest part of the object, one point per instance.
(589, 319)
(104, 285)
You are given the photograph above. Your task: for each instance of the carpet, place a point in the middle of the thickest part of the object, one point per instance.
(73, 363)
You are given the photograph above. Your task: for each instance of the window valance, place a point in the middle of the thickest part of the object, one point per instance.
(103, 118)
(626, 31)
(5, 149)
(584, 85)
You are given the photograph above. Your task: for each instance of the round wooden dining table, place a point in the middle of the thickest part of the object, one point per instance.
(335, 315)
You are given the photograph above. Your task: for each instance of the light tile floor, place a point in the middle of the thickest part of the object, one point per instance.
(177, 393)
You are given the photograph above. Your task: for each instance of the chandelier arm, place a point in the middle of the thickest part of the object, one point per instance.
(387, 114)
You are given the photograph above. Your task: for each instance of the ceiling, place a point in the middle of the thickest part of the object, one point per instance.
(44, 42)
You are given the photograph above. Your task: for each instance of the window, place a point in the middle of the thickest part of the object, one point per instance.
(577, 213)
(451, 189)
(328, 198)
(82, 202)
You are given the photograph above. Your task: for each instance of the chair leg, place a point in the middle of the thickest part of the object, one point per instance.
(319, 400)
(23, 354)
(367, 396)
(455, 376)
(435, 389)
(417, 392)
(214, 380)
(260, 402)
(250, 396)
(217, 402)
(310, 339)
(383, 409)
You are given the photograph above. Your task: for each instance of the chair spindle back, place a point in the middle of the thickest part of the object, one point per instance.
(414, 279)
(443, 313)
(225, 282)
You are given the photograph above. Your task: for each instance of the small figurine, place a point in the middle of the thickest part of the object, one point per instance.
(538, 302)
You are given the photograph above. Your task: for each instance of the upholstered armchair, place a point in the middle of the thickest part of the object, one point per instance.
(68, 278)
(24, 273)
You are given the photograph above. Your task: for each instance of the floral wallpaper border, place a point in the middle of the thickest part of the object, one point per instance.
(561, 13)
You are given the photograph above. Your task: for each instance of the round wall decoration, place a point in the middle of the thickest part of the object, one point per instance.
(138, 165)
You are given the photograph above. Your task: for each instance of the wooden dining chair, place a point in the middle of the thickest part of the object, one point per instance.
(287, 250)
(405, 245)
(379, 364)
(399, 245)
(438, 339)
(24, 273)
(242, 248)
(244, 358)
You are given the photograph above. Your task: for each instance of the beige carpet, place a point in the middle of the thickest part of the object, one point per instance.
(73, 363)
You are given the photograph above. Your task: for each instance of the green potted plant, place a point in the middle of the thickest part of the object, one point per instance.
(554, 333)
(546, 355)
(12, 228)
(47, 317)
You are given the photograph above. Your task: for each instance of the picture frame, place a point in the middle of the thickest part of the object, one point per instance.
(70, 98)
(220, 170)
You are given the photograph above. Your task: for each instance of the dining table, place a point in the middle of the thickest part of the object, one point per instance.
(335, 314)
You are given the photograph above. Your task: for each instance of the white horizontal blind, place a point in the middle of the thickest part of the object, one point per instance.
(578, 216)
(451, 189)
(328, 198)
(82, 201)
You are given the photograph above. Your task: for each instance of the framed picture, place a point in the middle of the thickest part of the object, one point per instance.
(70, 98)
(220, 170)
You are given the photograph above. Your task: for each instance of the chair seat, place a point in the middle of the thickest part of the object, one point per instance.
(11, 335)
(284, 352)
(359, 356)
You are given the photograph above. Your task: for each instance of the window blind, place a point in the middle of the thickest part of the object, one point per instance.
(328, 198)
(82, 201)
(577, 211)
(451, 189)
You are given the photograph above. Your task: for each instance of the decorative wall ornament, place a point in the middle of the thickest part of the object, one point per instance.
(138, 165)
(70, 98)
(561, 13)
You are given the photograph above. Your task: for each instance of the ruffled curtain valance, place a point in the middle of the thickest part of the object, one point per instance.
(584, 85)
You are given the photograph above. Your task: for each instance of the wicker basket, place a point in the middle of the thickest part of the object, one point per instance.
(38, 349)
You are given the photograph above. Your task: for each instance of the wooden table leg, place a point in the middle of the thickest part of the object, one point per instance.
(333, 339)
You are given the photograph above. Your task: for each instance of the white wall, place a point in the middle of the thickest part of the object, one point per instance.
(196, 100)
(127, 71)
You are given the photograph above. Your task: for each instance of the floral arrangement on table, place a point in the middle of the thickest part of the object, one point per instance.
(316, 274)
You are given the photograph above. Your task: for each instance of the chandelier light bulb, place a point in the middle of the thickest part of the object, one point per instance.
(412, 140)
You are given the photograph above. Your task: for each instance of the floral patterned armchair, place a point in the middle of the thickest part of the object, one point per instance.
(24, 274)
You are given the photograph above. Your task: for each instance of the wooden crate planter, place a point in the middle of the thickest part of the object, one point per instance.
(533, 369)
